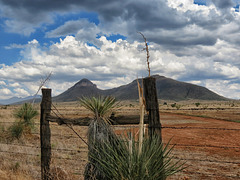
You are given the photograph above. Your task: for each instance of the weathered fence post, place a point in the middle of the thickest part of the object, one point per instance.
(45, 134)
(150, 93)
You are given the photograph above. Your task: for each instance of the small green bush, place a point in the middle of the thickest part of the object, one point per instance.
(26, 115)
(25, 123)
(197, 104)
(16, 130)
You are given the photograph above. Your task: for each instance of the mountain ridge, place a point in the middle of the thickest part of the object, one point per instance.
(167, 89)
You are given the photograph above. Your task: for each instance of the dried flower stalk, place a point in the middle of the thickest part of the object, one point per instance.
(146, 48)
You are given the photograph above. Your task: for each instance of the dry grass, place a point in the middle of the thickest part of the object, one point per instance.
(13, 175)
(70, 153)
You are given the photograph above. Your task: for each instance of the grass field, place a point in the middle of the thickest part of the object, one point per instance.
(206, 137)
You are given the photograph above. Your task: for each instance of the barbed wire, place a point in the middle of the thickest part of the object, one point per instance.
(136, 126)
(206, 146)
(68, 125)
(189, 159)
(206, 128)
(78, 151)
(38, 155)
(211, 174)
(205, 160)
(55, 149)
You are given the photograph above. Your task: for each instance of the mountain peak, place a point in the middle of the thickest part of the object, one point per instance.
(85, 83)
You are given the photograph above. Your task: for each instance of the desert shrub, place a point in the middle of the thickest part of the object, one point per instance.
(24, 123)
(26, 114)
(131, 105)
(178, 106)
(120, 159)
(15, 167)
(197, 104)
(16, 130)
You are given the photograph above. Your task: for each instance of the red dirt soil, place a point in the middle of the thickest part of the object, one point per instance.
(209, 147)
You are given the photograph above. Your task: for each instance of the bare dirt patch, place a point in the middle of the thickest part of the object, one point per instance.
(209, 146)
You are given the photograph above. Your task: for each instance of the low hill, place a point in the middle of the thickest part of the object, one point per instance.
(167, 89)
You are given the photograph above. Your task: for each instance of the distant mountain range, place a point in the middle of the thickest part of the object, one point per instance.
(167, 89)
(15, 100)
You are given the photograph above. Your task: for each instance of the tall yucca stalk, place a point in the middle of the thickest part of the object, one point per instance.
(99, 130)
(142, 110)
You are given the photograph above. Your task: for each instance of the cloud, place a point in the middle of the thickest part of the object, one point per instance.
(169, 23)
(71, 27)
(82, 29)
(21, 92)
(189, 42)
(114, 64)
(223, 4)
(5, 93)
(2, 83)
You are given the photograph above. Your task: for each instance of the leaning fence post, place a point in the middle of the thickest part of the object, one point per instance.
(45, 134)
(150, 93)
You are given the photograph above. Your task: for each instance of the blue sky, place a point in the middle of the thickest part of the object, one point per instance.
(195, 41)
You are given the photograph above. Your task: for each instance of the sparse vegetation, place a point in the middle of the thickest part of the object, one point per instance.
(25, 121)
(177, 106)
(121, 159)
(75, 165)
(25, 114)
(197, 104)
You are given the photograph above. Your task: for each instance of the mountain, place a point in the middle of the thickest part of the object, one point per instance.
(81, 88)
(15, 100)
(170, 89)
(167, 89)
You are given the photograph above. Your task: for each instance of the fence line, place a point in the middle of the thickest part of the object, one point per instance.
(184, 145)
(38, 155)
(163, 127)
(55, 149)
(207, 146)
(78, 151)
(206, 160)
(211, 175)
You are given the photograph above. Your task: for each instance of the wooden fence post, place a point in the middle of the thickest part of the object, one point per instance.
(150, 93)
(45, 134)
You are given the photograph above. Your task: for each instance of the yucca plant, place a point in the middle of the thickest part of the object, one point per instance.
(26, 114)
(119, 161)
(101, 107)
(99, 130)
